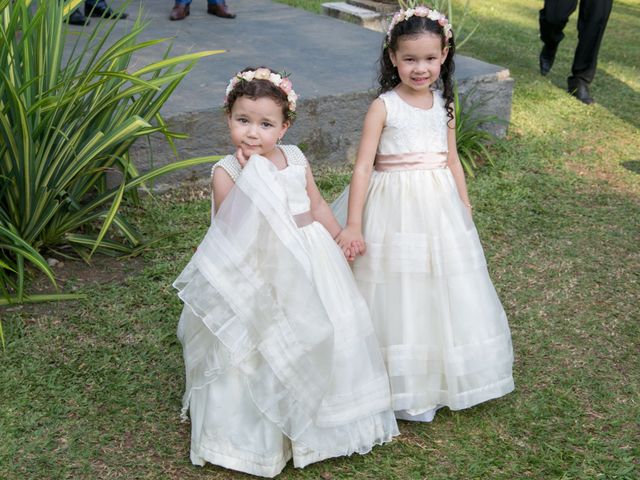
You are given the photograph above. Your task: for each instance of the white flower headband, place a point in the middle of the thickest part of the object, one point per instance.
(420, 11)
(283, 83)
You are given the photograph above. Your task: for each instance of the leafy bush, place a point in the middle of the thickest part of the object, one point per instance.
(472, 137)
(63, 125)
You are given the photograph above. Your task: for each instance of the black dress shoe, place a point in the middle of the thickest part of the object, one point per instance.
(547, 56)
(581, 92)
(101, 9)
(77, 18)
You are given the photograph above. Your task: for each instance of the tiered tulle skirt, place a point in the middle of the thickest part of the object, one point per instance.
(442, 329)
(281, 358)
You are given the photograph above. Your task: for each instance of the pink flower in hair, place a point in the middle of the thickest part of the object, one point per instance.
(285, 85)
(419, 11)
(277, 79)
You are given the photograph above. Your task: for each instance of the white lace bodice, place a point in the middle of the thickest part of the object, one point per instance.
(409, 129)
(292, 178)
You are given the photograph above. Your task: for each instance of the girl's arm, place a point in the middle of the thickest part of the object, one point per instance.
(453, 162)
(221, 184)
(320, 211)
(351, 235)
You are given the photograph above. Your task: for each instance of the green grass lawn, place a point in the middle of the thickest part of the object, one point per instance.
(92, 389)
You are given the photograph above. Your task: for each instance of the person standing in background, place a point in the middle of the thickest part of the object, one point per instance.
(592, 21)
(214, 7)
(94, 8)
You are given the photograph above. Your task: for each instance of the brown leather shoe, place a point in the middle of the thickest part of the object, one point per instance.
(179, 12)
(220, 10)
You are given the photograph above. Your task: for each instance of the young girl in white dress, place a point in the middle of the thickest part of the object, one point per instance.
(443, 332)
(281, 357)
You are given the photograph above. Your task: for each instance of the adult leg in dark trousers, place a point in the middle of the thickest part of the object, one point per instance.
(592, 21)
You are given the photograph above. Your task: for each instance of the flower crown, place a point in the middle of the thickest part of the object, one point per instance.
(280, 81)
(420, 11)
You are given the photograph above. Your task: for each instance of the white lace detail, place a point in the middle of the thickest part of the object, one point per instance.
(410, 129)
(230, 165)
(294, 155)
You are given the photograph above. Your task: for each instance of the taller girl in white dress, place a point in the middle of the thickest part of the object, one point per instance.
(443, 331)
(281, 357)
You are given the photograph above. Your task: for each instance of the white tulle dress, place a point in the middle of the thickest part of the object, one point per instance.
(281, 358)
(443, 332)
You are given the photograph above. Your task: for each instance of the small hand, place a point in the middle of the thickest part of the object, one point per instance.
(358, 247)
(351, 238)
(348, 254)
(242, 159)
(469, 209)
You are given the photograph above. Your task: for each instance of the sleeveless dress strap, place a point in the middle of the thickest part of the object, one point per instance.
(230, 165)
(294, 155)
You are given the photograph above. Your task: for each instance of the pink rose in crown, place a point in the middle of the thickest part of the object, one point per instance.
(285, 85)
(262, 74)
(442, 21)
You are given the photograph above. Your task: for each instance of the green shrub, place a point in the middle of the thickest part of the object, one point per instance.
(472, 136)
(63, 125)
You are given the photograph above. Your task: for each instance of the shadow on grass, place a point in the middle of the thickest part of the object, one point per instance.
(632, 166)
(606, 83)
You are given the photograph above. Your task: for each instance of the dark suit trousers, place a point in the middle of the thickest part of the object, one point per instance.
(592, 21)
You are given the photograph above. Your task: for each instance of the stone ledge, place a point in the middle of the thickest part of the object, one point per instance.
(327, 128)
(354, 14)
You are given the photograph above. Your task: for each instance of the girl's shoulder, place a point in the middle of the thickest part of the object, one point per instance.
(230, 165)
(388, 97)
(294, 155)
(389, 100)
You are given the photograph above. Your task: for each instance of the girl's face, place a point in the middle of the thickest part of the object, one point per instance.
(256, 125)
(418, 60)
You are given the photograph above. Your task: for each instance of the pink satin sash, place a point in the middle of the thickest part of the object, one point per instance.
(411, 161)
(303, 219)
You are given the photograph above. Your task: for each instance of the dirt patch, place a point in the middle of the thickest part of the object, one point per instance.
(73, 276)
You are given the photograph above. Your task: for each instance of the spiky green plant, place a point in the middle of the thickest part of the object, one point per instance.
(63, 125)
(472, 136)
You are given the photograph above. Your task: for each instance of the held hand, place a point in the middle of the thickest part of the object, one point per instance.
(348, 254)
(351, 238)
(358, 247)
(242, 159)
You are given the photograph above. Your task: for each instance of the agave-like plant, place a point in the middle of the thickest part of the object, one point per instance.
(472, 136)
(63, 125)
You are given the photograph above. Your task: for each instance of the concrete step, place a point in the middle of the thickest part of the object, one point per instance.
(383, 8)
(364, 17)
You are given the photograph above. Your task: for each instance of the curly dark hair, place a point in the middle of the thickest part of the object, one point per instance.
(413, 26)
(259, 89)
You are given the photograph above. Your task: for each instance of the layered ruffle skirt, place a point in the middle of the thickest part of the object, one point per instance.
(442, 329)
(281, 358)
